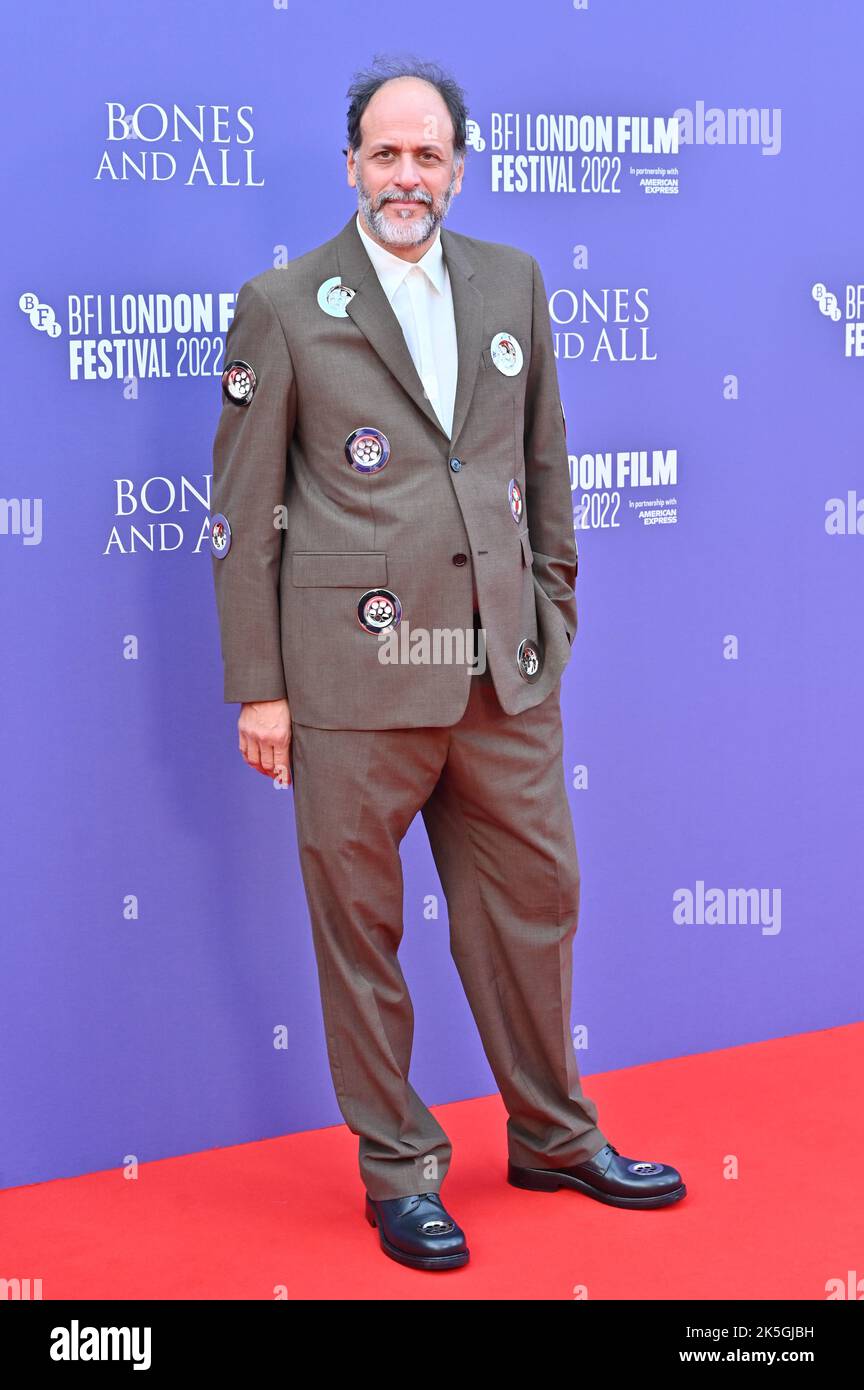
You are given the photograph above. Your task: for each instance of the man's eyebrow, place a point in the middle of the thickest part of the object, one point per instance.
(393, 145)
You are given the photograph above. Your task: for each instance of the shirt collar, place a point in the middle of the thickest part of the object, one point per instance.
(393, 269)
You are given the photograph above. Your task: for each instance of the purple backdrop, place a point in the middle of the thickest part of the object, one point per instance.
(155, 937)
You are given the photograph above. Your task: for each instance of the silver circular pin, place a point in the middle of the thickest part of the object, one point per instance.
(333, 297)
(379, 609)
(220, 535)
(239, 382)
(506, 354)
(367, 449)
(529, 658)
(514, 497)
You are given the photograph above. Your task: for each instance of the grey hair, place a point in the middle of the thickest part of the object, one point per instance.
(366, 82)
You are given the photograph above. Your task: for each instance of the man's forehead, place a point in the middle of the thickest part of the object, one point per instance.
(416, 134)
(420, 118)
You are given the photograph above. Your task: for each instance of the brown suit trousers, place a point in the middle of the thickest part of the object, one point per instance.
(491, 791)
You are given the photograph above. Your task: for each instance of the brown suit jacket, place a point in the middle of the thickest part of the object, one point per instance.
(310, 535)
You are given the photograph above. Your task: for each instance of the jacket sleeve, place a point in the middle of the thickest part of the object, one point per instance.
(548, 496)
(250, 460)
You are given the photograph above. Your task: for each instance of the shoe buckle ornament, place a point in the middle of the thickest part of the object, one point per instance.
(437, 1226)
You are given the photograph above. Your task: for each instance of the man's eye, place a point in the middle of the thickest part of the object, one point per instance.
(427, 154)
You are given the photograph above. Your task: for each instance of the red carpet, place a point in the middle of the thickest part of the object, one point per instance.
(240, 1222)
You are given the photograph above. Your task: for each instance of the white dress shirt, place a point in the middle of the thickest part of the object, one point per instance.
(420, 295)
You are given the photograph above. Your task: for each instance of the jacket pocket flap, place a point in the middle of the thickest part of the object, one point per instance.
(350, 569)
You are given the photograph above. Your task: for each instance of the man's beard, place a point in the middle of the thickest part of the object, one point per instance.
(409, 231)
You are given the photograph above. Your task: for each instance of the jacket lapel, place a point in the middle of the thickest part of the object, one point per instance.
(371, 311)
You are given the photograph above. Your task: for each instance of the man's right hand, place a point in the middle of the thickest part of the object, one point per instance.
(264, 727)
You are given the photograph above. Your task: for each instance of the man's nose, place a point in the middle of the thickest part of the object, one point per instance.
(406, 174)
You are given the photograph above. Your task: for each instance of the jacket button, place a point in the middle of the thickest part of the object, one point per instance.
(455, 465)
(460, 559)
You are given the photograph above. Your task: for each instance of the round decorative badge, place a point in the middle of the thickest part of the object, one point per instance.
(333, 296)
(239, 382)
(220, 535)
(506, 354)
(367, 449)
(529, 659)
(379, 609)
(437, 1226)
(514, 494)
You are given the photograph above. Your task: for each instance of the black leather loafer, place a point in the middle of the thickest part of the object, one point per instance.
(621, 1182)
(418, 1231)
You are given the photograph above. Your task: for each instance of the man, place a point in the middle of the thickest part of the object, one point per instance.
(391, 451)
